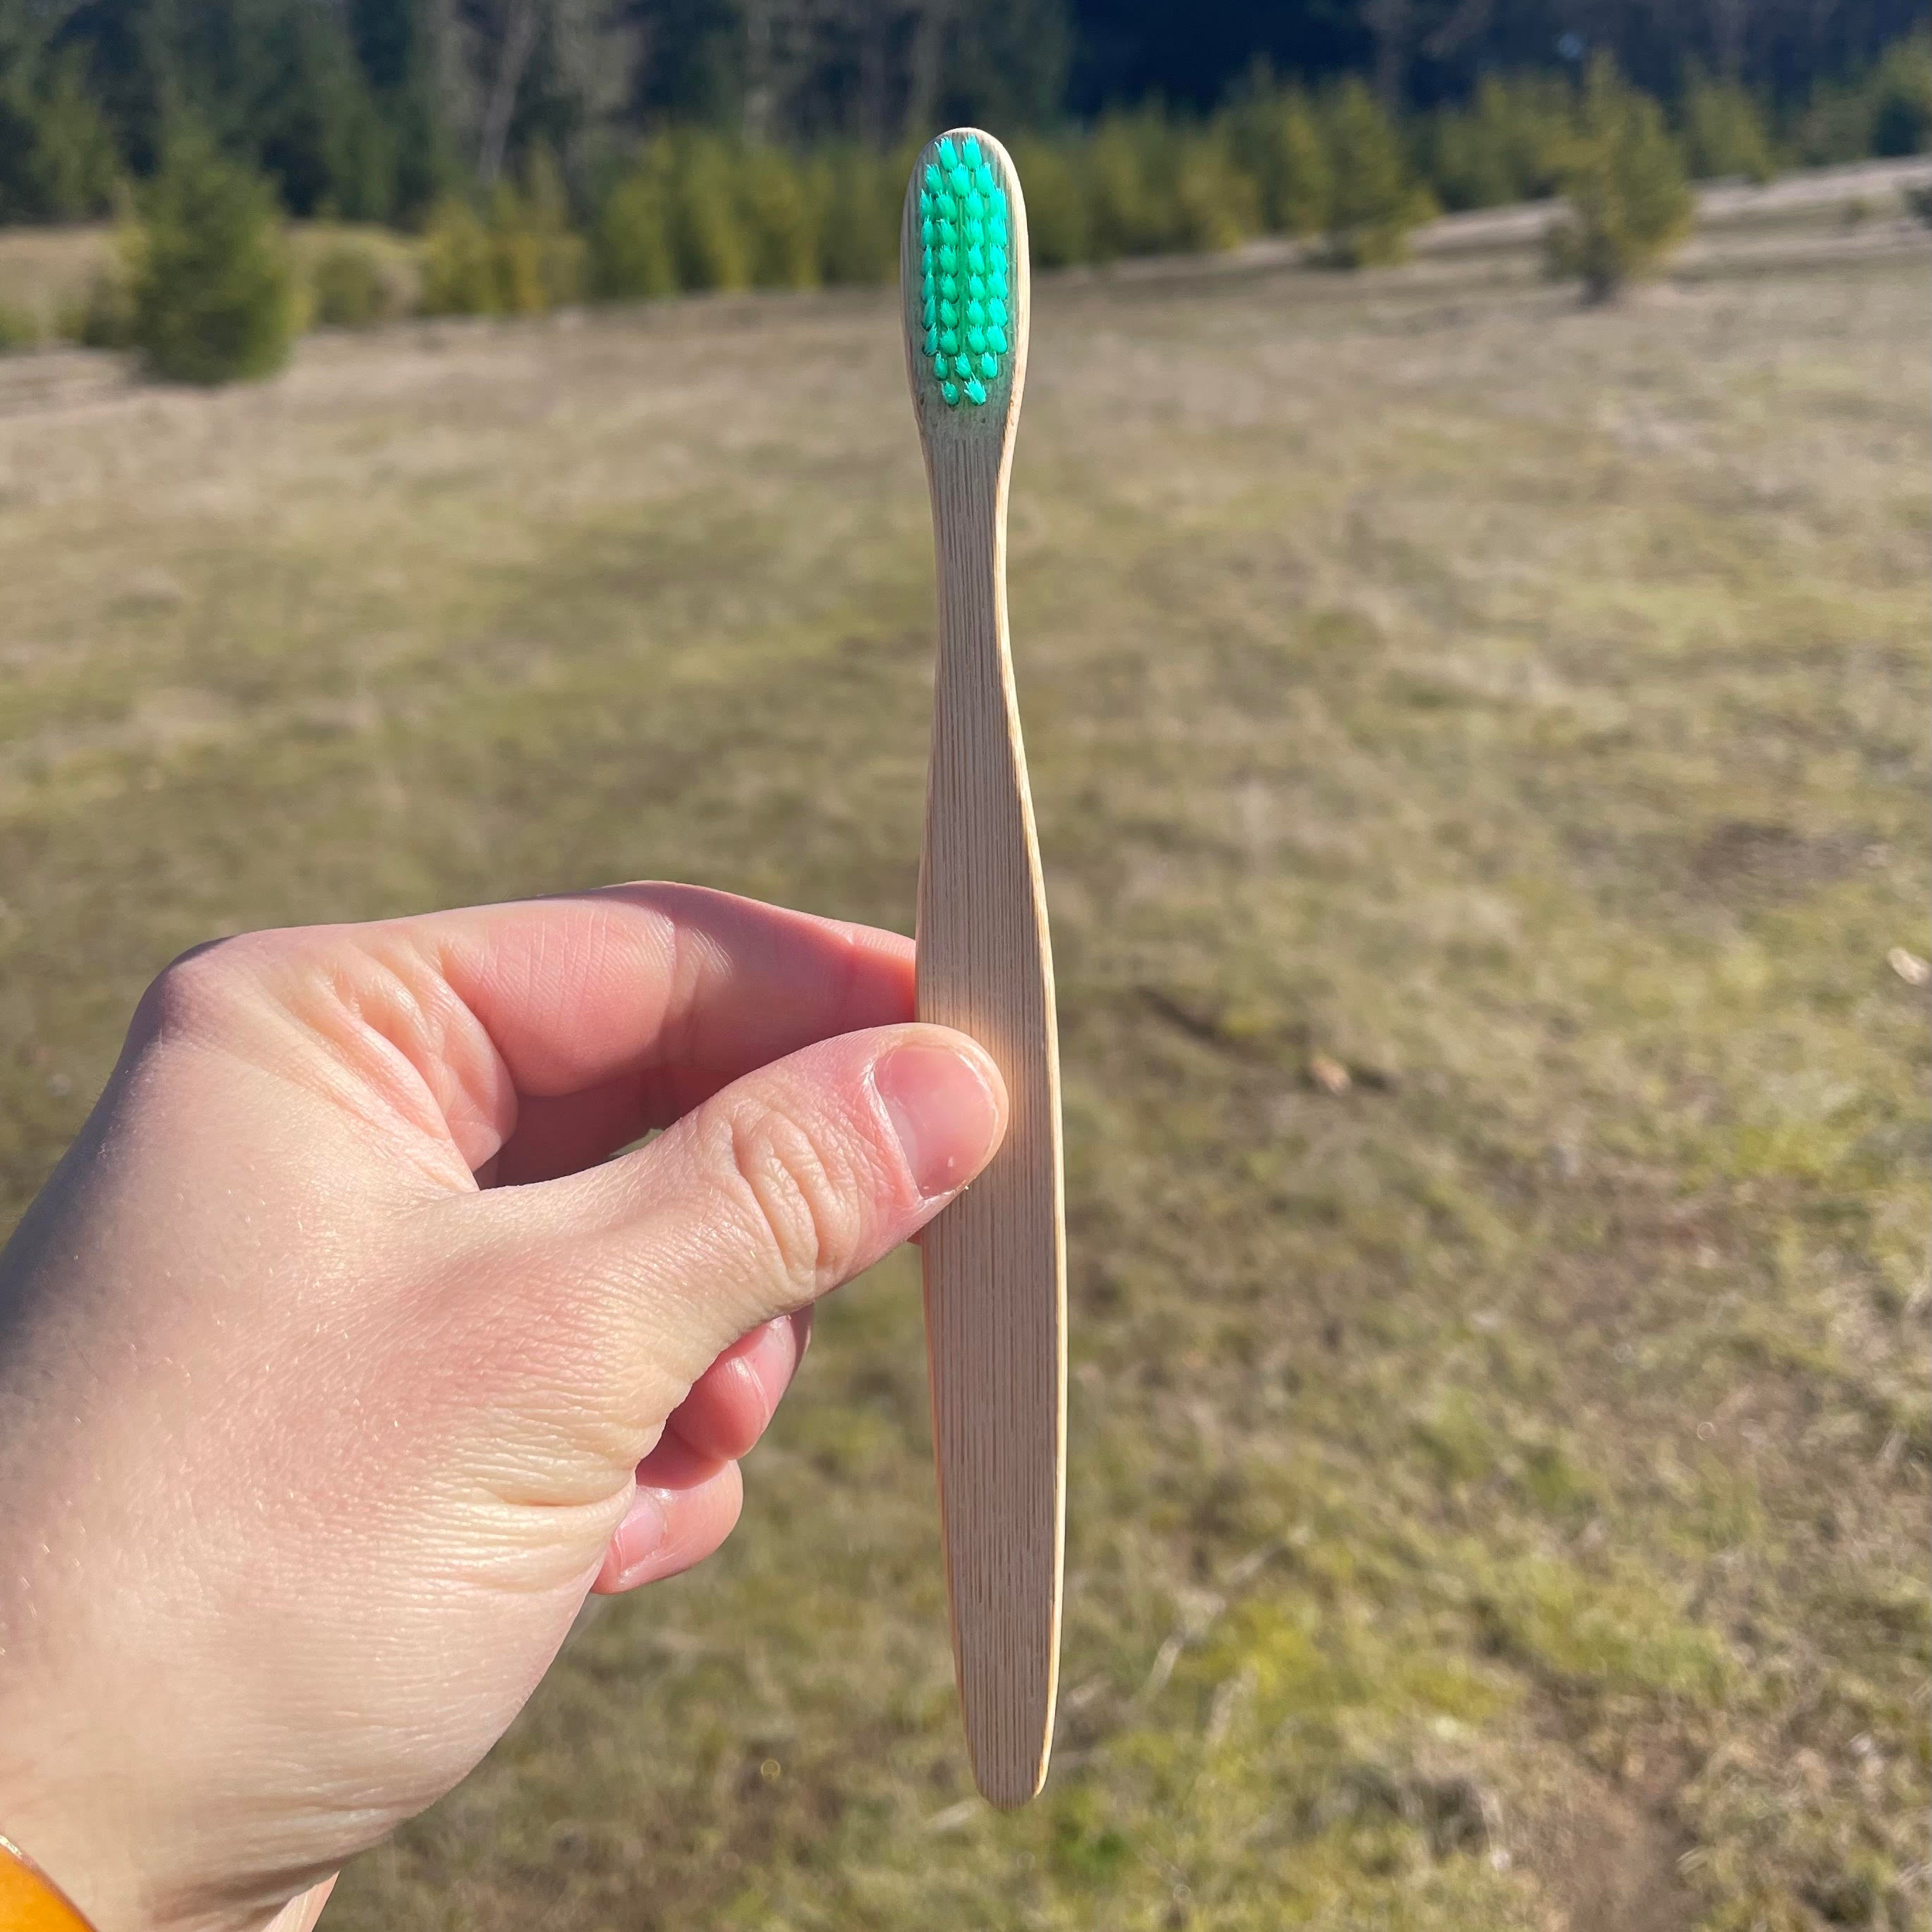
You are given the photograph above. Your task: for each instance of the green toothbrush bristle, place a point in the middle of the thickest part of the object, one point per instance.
(965, 263)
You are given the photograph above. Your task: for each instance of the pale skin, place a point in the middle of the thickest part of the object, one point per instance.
(344, 1354)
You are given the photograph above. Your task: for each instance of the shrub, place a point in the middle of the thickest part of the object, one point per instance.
(1119, 220)
(1215, 204)
(1374, 203)
(708, 238)
(778, 204)
(631, 251)
(1154, 185)
(536, 261)
(1834, 126)
(19, 328)
(349, 288)
(458, 270)
(524, 259)
(1889, 112)
(1630, 203)
(103, 317)
(1901, 98)
(539, 220)
(1466, 167)
(1507, 146)
(515, 241)
(1057, 225)
(1725, 133)
(213, 297)
(858, 196)
(1275, 139)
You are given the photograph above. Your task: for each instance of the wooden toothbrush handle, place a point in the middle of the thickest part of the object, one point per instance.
(994, 1268)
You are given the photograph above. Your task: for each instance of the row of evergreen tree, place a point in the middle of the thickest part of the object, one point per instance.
(693, 210)
(376, 110)
(208, 286)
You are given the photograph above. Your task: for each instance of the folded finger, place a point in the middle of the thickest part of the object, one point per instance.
(686, 1505)
(731, 1404)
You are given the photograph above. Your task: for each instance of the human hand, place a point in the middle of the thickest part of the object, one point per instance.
(338, 1362)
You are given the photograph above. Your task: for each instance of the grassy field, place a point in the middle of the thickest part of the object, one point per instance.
(1498, 1487)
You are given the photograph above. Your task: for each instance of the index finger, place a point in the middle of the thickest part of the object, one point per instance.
(551, 1031)
(685, 986)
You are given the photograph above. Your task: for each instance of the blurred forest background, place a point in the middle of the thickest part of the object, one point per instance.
(223, 175)
(1479, 743)
(373, 110)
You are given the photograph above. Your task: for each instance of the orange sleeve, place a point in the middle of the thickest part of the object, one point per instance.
(30, 1901)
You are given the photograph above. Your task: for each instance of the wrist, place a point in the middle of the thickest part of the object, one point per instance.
(107, 1793)
(76, 1851)
(33, 1900)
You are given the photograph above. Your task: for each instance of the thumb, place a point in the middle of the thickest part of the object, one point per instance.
(779, 1187)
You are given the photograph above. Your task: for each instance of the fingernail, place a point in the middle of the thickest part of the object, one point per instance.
(641, 1535)
(767, 1359)
(943, 1112)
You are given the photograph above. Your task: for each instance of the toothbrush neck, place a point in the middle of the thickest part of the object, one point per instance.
(969, 534)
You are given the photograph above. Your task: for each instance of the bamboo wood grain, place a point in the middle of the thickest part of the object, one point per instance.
(994, 1260)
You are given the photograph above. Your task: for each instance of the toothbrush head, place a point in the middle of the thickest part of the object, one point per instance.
(963, 278)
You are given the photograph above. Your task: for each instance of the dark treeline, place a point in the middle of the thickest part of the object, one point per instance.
(1421, 53)
(377, 109)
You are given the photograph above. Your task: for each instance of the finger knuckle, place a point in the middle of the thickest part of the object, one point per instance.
(801, 1195)
(195, 992)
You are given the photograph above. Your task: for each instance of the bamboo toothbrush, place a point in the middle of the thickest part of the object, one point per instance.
(994, 1261)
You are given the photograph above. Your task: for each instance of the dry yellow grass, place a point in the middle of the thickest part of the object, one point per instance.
(43, 271)
(1498, 1479)
(47, 273)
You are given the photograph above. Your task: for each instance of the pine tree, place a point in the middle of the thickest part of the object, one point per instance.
(1630, 203)
(857, 195)
(781, 216)
(516, 255)
(631, 248)
(1215, 205)
(213, 293)
(1119, 217)
(1374, 203)
(1724, 132)
(1508, 144)
(1276, 139)
(559, 250)
(316, 131)
(58, 159)
(395, 43)
(1901, 91)
(707, 229)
